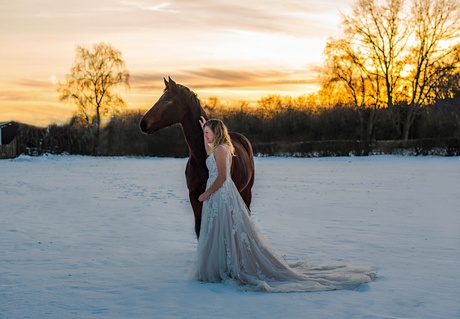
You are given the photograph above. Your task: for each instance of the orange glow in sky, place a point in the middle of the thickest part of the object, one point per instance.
(231, 49)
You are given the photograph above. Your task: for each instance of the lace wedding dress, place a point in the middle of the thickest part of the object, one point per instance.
(232, 249)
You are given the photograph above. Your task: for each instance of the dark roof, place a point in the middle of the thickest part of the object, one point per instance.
(9, 130)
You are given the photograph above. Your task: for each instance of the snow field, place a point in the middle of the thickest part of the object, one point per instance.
(85, 237)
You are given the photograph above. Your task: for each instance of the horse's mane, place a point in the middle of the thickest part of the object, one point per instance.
(188, 97)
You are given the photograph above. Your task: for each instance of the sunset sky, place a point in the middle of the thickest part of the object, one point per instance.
(233, 49)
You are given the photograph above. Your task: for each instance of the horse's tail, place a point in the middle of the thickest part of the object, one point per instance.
(243, 163)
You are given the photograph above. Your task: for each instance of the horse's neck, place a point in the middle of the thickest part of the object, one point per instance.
(193, 134)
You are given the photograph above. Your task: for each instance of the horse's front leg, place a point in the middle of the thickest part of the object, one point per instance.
(197, 207)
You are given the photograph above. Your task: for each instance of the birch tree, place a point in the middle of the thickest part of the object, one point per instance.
(91, 85)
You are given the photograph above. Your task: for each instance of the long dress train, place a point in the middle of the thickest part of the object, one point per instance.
(232, 249)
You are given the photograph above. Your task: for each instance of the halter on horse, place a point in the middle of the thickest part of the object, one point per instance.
(180, 105)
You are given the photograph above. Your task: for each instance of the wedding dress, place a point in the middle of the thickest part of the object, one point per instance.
(233, 250)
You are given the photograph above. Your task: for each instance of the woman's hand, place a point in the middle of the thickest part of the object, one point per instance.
(202, 121)
(203, 197)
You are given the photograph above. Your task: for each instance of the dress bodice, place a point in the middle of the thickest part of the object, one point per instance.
(211, 164)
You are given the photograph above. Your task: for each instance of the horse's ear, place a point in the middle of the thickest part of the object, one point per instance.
(172, 85)
(166, 83)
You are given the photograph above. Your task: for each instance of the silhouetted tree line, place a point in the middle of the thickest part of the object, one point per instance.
(283, 131)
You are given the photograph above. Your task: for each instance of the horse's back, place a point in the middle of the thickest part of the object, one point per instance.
(243, 163)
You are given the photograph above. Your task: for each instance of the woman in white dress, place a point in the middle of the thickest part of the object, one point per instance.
(232, 249)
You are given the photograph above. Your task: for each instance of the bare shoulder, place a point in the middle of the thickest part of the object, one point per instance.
(220, 155)
(220, 152)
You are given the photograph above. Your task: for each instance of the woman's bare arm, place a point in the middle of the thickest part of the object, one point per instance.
(220, 154)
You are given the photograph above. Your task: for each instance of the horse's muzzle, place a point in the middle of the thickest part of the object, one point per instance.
(143, 126)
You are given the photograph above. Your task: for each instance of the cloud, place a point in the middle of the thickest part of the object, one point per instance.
(221, 79)
(301, 18)
(163, 6)
(36, 84)
(7, 95)
(307, 18)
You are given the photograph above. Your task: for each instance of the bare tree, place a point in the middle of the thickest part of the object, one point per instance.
(270, 104)
(91, 83)
(378, 31)
(212, 103)
(391, 54)
(346, 69)
(436, 25)
(448, 87)
(367, 61)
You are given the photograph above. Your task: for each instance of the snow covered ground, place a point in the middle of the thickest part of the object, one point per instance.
(85, 237)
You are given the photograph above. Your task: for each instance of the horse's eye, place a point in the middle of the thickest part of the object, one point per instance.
(167, 101)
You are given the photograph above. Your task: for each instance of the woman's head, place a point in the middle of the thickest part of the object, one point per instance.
(216, 133)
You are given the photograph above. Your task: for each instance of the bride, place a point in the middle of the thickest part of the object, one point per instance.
(232, 249)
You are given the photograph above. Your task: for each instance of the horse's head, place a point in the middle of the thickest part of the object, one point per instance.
(168, 110)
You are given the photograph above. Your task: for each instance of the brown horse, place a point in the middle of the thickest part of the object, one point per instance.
(180, 105)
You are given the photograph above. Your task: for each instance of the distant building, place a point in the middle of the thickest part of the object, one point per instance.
(9, 144)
